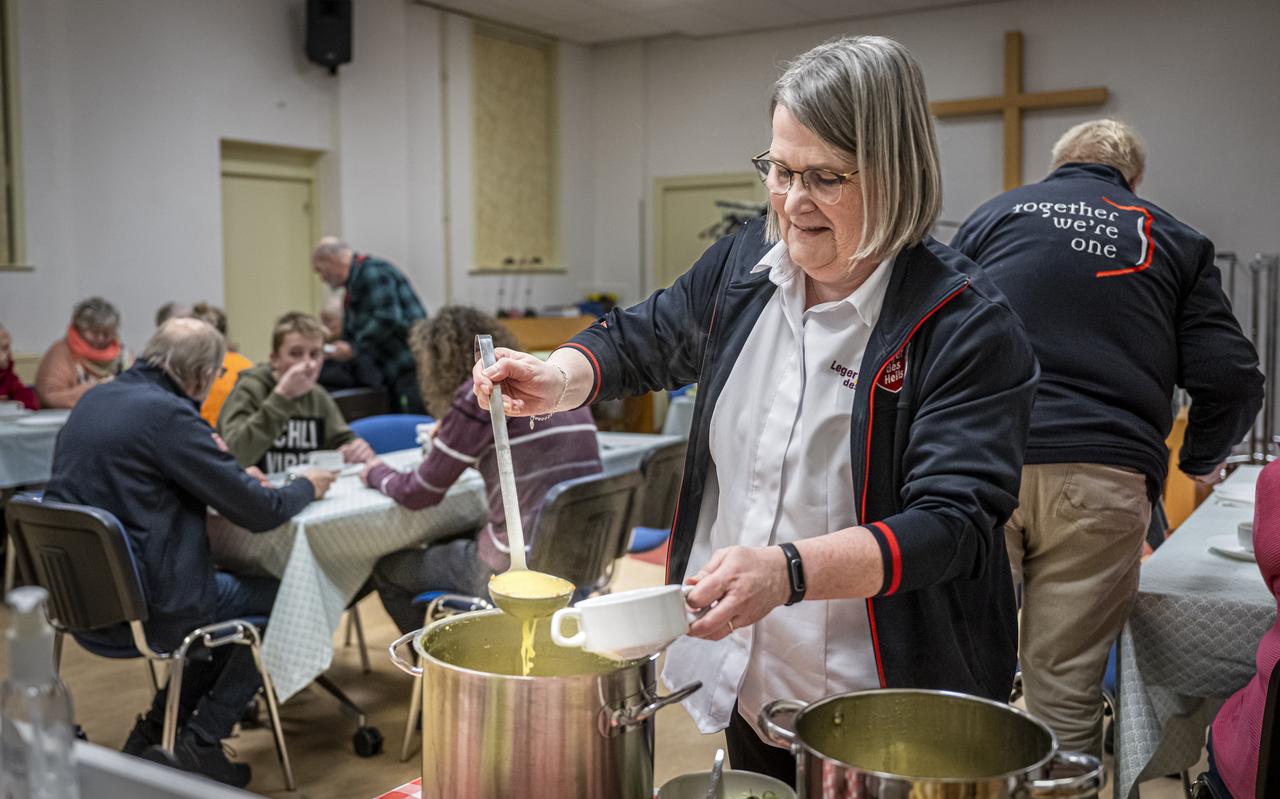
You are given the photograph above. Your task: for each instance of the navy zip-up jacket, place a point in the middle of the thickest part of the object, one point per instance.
(1121, 302)
(937, 436)
(138, 448)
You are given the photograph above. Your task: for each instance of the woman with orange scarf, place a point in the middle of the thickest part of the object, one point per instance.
(91, 353)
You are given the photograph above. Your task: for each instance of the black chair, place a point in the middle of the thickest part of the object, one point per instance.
(661, 469)
(582, 528)
(1267, 782)
(82, 557)
(357, 403)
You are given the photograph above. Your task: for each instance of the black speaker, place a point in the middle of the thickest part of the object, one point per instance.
(329, 33)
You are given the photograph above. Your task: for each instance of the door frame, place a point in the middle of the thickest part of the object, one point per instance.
(271, 162)
(661, 186)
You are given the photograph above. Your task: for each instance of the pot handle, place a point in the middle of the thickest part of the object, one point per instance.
(1085, 777)
(401, 663)
(622, 718)
(783, 735)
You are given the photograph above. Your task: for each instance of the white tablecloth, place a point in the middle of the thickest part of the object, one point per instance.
(326, 552)
(26, 449)
(1189, 643)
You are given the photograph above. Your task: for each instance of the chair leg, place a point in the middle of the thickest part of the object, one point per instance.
(273, 711)
(169, 736)
(411, 721)
(151, 672)
(354, 621)
(58, 637)
(10, 566)
(1186, 785)
(351, 624)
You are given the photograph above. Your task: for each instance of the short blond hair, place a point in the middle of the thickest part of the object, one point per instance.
(865, 96)
(297, 322)
(1103, 141)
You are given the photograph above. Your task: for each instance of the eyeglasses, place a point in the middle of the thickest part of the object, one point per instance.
(823, 185)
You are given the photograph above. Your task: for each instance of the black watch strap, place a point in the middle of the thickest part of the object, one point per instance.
(795, 572)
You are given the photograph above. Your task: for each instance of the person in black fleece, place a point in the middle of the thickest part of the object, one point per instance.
(1122, 302)
(137, 447)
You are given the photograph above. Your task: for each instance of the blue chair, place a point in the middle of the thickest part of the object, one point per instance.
(390, 432)
(82, 557)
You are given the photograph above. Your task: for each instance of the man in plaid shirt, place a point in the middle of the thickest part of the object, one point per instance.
(380, 308)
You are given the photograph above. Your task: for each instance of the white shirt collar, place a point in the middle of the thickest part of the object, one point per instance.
(867, 299)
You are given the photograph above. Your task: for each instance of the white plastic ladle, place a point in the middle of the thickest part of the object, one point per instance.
(524, 607)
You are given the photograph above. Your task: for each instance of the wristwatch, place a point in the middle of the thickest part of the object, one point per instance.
(795, 572)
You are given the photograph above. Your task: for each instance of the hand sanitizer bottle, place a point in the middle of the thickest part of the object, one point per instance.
(36, 734)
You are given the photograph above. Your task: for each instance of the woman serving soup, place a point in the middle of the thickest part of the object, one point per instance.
(863, 401)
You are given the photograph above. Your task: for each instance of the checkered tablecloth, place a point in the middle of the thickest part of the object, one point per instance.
(26, 450)
(1189, 644)
(410, 790)
(324, 554)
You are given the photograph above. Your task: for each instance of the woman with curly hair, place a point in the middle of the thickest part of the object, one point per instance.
(562, 448)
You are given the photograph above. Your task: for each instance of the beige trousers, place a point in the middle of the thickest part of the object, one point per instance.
(1075, 543)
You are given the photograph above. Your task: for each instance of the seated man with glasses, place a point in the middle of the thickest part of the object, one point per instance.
(277, 415)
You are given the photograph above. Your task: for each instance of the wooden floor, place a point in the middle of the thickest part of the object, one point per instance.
(109, 694)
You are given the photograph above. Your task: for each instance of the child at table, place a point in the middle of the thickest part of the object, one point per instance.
(11, 387)
(1235, 735)
(276, 414)
(560, 448)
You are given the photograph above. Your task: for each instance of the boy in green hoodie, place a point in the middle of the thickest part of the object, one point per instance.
(276, 414)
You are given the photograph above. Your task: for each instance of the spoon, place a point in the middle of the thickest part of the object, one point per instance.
(548, 593)
(715, 789)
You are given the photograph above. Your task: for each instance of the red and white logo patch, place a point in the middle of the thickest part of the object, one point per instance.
(894, 373)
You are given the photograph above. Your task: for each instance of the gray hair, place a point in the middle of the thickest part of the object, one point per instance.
(865, 96)
(189, 350)
(1103, 141)
(329, 248)
(95, 313)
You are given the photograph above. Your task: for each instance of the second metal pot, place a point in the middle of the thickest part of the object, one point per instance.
(899, 743)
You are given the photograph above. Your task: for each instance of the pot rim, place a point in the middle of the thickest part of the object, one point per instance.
(1010, 775)
(447, 620)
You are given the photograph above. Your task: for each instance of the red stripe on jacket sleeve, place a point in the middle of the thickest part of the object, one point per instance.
(895, 554)
(595, 366)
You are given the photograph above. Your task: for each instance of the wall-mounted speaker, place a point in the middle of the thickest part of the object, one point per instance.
(329, 33)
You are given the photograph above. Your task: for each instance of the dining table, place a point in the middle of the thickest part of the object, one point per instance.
(27, 441)
(324, 555)
(1191, 638)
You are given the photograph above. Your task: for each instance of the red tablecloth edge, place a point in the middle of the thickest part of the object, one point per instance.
(410, 790)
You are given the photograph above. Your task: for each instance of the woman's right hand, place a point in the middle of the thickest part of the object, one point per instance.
(530, 386)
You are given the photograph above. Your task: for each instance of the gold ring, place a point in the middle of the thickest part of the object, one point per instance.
(730, 625)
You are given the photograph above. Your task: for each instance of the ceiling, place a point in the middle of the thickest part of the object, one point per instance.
(597, 21)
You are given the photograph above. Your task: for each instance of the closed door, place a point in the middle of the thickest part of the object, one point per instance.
(266, 246)
(685, 208)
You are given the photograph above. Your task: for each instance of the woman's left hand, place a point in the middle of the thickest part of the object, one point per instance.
(747, 583)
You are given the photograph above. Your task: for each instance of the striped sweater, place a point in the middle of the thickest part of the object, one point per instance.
(559, 449)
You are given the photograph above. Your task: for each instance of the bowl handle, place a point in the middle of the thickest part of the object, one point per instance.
(783, 734)
(557, 628)
(1085, 777)
(401, 663)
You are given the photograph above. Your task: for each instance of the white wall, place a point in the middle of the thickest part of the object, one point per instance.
(123, 105)
(1197, 79)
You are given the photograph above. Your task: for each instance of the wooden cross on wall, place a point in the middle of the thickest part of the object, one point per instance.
(1013, 102)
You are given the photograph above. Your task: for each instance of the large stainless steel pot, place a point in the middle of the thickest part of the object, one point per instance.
(579, 726)
(894, 744)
